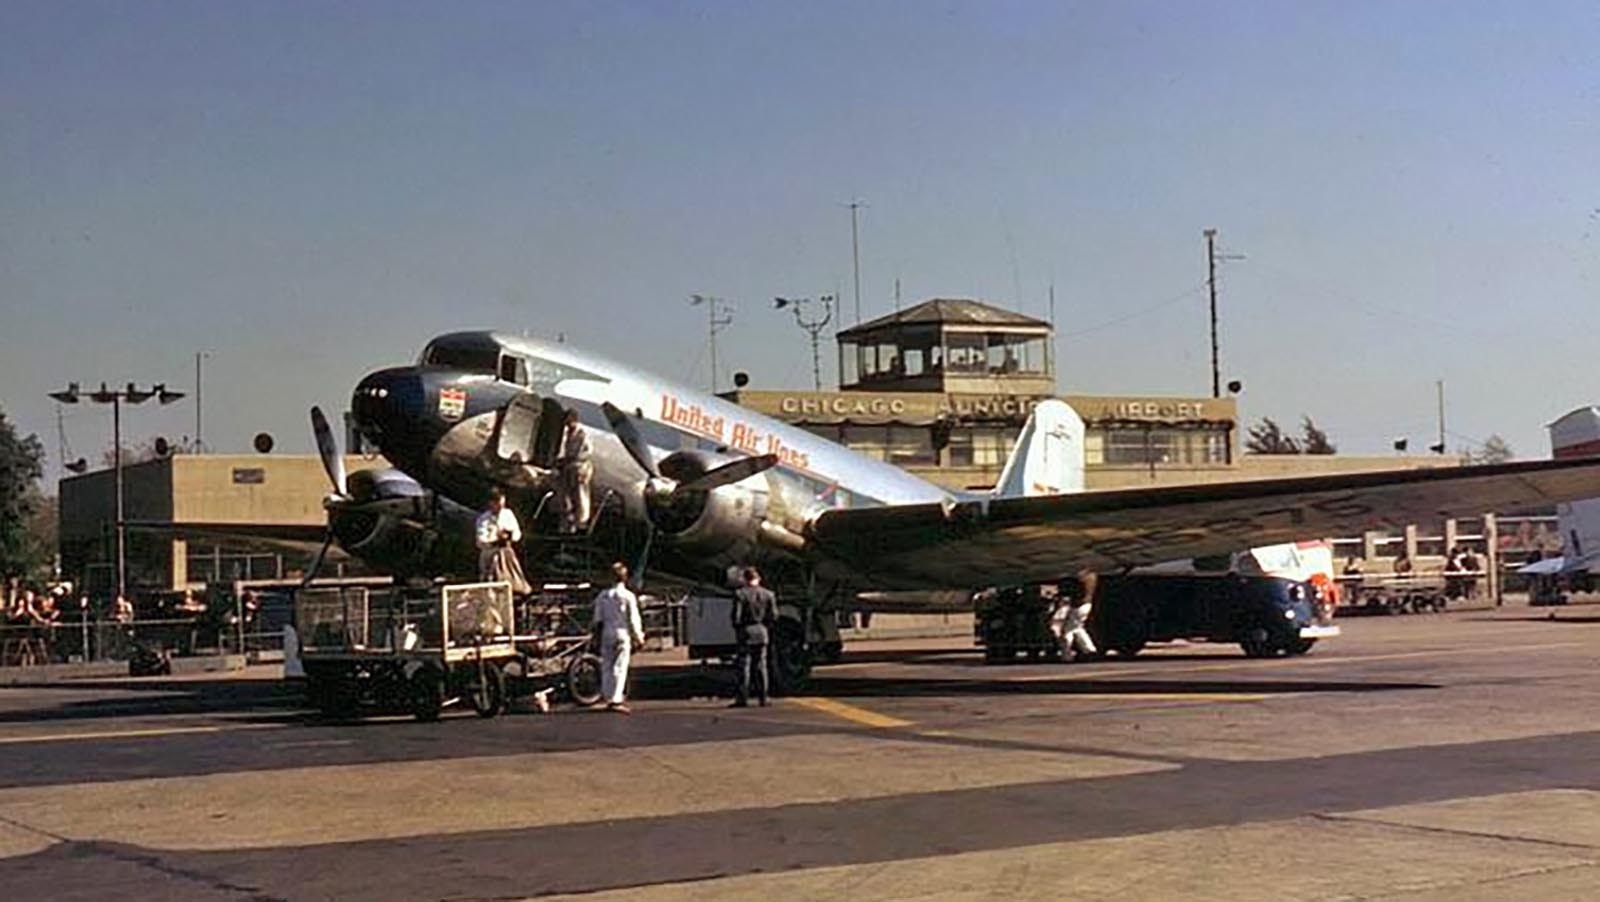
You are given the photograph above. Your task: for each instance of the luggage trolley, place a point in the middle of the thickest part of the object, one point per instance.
(403, 650)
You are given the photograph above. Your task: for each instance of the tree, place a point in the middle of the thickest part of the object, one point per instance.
(21, 468)
(1495, 450)
(1266, 437)
(1314, 440)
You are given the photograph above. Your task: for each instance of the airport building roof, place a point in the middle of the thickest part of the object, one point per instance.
(949, 312)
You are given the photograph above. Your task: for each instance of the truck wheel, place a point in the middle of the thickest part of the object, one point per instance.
(488, 695)
(583, 680)
(1258, 648)
(425, 692)
(334, 696)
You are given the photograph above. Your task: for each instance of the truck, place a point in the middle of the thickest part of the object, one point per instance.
(1270, 600)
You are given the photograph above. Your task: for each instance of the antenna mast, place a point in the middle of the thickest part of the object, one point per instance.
(714, 324)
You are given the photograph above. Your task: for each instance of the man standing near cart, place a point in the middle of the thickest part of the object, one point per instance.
(755, 611)
(498, 535)
(616, 618)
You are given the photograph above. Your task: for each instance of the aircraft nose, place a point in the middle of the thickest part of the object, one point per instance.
(388, 404)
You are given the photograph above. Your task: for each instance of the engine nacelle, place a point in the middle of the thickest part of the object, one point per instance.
(724, 521)
(394, 525)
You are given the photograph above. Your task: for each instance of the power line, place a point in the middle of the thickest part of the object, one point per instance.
(1142, 311)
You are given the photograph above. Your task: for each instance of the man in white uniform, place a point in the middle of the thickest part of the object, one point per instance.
(1077, 602)
(498, 533)
(575, 467)
(616, 617)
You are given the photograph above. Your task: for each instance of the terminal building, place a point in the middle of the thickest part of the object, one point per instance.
(943, 389)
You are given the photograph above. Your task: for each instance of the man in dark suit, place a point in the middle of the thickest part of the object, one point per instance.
(755, 611)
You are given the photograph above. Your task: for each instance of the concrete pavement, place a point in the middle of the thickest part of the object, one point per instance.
(1434, 757)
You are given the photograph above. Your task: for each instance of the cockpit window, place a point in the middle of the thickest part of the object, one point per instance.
(475, 358)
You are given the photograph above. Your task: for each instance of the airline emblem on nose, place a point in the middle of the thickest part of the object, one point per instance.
(452, 403)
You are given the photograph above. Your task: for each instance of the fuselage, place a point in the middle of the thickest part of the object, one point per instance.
(440, 421)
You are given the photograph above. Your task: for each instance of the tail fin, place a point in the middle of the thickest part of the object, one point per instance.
(1575, 435)
(1048, 457)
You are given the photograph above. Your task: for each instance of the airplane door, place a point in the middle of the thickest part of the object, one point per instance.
(547, 444)
(517, 428)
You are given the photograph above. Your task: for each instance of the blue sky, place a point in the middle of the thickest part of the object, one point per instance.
(309, 191)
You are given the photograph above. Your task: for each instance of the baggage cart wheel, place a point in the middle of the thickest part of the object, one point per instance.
(583, 680)
(425, 693)
(487, 693)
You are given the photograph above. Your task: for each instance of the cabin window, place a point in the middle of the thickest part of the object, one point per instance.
(513, 369)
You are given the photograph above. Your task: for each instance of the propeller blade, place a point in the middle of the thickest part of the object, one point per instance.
(316, 563)
(328, 449)
(643, 560)
(729, 473)
(628, 433)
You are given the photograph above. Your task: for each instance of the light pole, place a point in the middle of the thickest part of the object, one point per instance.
(813, 326)
(132, 395)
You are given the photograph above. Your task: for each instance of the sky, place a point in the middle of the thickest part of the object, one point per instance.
(309, 191)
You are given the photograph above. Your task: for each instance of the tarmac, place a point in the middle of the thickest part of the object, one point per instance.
(1427, 757)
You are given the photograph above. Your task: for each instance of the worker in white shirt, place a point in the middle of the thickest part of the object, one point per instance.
(498, 534)
(1077, 602)
(575, 469)
(616, 618)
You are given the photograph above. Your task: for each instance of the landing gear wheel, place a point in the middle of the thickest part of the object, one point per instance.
(996, 654)
(487, 694)
(790, 660)
(583, 680)
(425, 694)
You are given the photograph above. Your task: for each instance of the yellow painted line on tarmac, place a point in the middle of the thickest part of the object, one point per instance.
(850, 712)
(133, 734)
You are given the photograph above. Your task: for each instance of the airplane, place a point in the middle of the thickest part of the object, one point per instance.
(694, 484)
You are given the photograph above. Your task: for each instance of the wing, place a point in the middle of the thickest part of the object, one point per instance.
(1012, 541)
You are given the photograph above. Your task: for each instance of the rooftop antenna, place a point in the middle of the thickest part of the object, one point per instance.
(812, 326)
(714, 324)
(855, 205)
(897, 294)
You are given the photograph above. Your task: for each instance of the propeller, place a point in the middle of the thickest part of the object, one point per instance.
(727, 474)
(661, 491)
(333, 465)
(328, 450)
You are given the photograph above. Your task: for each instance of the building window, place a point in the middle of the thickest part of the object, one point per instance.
(965, 354)
(980, 446)
(1156, 445)
(900, 445)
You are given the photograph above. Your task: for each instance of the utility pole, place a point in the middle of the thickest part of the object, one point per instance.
(1439, 448)
(1051, 363)
(813, 327)
(199, 442)
(855, 251)
(714, 324)
(1211, 283)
